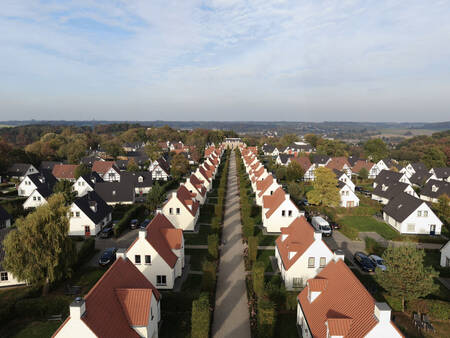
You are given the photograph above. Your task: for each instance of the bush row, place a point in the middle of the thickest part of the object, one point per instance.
(125, 221)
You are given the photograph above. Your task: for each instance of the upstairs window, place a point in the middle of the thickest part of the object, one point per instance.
(311, 262)
(137, 259)
(283, 213)
(290, 213)
(148, 259)
(178, 211)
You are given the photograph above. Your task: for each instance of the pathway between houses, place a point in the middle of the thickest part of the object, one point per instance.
(231, 317)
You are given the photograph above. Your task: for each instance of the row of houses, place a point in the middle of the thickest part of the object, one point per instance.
(332, 301)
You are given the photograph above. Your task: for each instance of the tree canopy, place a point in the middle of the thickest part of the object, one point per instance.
(294, 171)
(179, 166)
(376, 149)
(325, 190)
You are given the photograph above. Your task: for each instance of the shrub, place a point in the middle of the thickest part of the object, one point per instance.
(125, 221)
(253, 242)
(276, 290)
(291, 301)
(266, 318)
(86, 251)
(258, 278)
(43, 306)
(213, 246)
(209, 276)
(215, 224)
(218, 211)
(436, 309)
(201, 317)
(373, 247)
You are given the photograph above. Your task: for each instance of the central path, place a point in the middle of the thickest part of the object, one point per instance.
(231, 317)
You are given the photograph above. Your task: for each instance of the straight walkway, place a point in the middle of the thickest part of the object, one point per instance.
(231, 317)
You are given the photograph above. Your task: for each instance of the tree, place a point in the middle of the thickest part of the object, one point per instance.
(153, 151)
(312, 139)
(363, 173)
(65, 187)
(434, 157)
(280, 173)
(296, 190)
(288, 139)
(325, 190)
(443, 208)
(179, 166)
(39, 250)
(406, 276)
(132, 165)
(155, 197)
(294, 171)
(201, 317)
(332, 148)
(376, 149)
(82, 170)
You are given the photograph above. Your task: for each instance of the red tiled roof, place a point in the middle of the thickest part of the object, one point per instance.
(64, 171)
(132, 299)
(304, 162)
(339, 326)
(186, 199)
(362, 164)
(272, 202)
(338, 163)
(343, 297)
(257, 174)
(263, 185)
(198, 184)
(105, 314)
(101, 167)
(206, 174)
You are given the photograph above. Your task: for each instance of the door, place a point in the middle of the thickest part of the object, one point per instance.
(349, 204)
(87, 231)
(432, 229)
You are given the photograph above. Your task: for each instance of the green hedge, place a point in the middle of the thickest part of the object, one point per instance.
(258, 277)
(86, 251)
(266, 318)
(201, 317)
(436, 309)
(209, 276)
(253, 242)
(43, 306)
(125, 221)
(213, 246)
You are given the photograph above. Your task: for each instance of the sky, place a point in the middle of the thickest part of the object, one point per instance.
(226, 60)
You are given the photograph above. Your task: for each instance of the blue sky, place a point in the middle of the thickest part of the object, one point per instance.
(225, 60)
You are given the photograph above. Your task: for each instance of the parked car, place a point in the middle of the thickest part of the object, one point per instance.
(378, 261)
(364, 262)
(134, 223)
(334, 225)
(358, 188)
(144, 223)
(106, 232)
(303, 201)
(107, 257)
(321, 225)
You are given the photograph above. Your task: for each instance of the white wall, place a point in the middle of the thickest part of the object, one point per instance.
(12, 280)
(347, 195)
(276, 221)
(75, 327)
(26, 187)
(445, 255)
(274, 186)
(77, 224)
(421, 224)
(81, 187)
(184, 220)
(34, 200)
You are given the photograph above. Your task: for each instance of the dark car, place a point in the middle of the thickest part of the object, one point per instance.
(134, 224)
(364, 262)
(358, 188)
(107, 257)
(144, 223)
(106, 232)
(334, 225)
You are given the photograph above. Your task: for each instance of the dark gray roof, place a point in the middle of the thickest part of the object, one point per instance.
(84, 203)
(3, 233)
(4, 215)
(48, 165)
(401, 206)
(442, 173)
(387, 177)
(440, 187)
(43, 179)
(393, 189)
(44, 191)
(320, 159)
(132, 178)
(18, 169)
(353, 159)
(419, 166)
(268, 148)
(164, 165)
(89, 160)
(420, 177)
(92, 179)
(285, 157)
(115, 192)
(122, 164)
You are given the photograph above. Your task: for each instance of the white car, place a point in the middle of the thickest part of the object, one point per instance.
(378, 261)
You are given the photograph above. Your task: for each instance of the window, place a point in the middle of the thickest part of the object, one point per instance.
(425, 214)
(151, 312)
(297, 282)
(419, 213)
(161, 280)
(71, 214)
(171, 211)
(77, 214)
(148, 259)
(178, 211)
(137, 259)
(290, 213)
(311, 262)
(323, 262)
(283, 213)
(39, 198)
(3, 276)
(34, 198)
(411, 227)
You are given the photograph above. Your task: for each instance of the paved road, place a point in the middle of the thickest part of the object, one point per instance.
(123, 241)
(231, 317)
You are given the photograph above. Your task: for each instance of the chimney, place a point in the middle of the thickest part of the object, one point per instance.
(338, 255)
(317, 235)
(121, 253)
(142, 233)
(77, 308)
(174, 194)
(288, 196)
(382, 312)
(158, 211)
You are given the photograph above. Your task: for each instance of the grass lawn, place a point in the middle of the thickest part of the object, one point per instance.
(200, 238)
(198, 256)
(352, 225)
(265, 240)
(264, 256)
(286, 324)
(86, 277)
(38, 329)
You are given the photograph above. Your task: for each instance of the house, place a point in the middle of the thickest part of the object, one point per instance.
(86, 183)
(123, 303)
(5, 218)
(372, 169)
(348, 196)
(386, 177)
(142, 181)
(6, 277)
(158, 252)
(413, 168)
(434, 189)
(410, 215)
(88, 215)
(182, 209)
(160, 169)
(64, 172)
(307, 166)
(116, 192)
(38, 197)
(48, 165)
(205, 177)
(257, 176)
(270, 150)
(266, 187)
(89, 160)
(384, 193)
(107, 170)
(139, 157)
(195, 186)
(133, 146)
(336, 304)
(283, 159)
(20, 170)
(440, 174)
(301, 253)
(33, 181)
(320, 160)
(341, 164)
(342, 177)
(419, 178)
(278, 211)
(296, 148)
(387, 164)
(445, 255)
(122, 165)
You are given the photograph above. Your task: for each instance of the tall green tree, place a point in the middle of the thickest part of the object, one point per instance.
(376, 149)
(82, 170)
(155, 197)
(325, 190)
(294, 171)
(65, 187)
(406, 277)
(434, 157)
(153, 151)
(312, 139)
(39, 250)
(132, 165)
(363, 173)
(443, 208)
(179, 166)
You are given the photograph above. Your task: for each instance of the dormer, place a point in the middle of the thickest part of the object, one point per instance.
(338, 327)
(315, 287)
(434, 188)
(384, 187)
(283, 237)
(140, 179)
(292, 254)
(93, 206)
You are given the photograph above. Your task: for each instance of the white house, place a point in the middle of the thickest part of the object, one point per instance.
(6, 277)
(410, 215)
(107, 170)
(205, 177)
(413, 168)
(278, 211)
(340, 163)
(258, 176)
(265, 187)
(21, 170)
(301, 253)
(182, 209)
(386, 177)
(343, 177)
(158, 252)
(440, 174)
(86, 183)
(270, 150)
(384, 193)
(160, 169)
(195, 186)
(445, 255)
(348, 196)
(434, 189)
(37, 198)
(283, 159)
(123, 303)
(335, 304)
(33, 181)
(88, 215)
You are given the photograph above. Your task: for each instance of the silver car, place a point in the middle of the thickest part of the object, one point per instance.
(378, 261)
